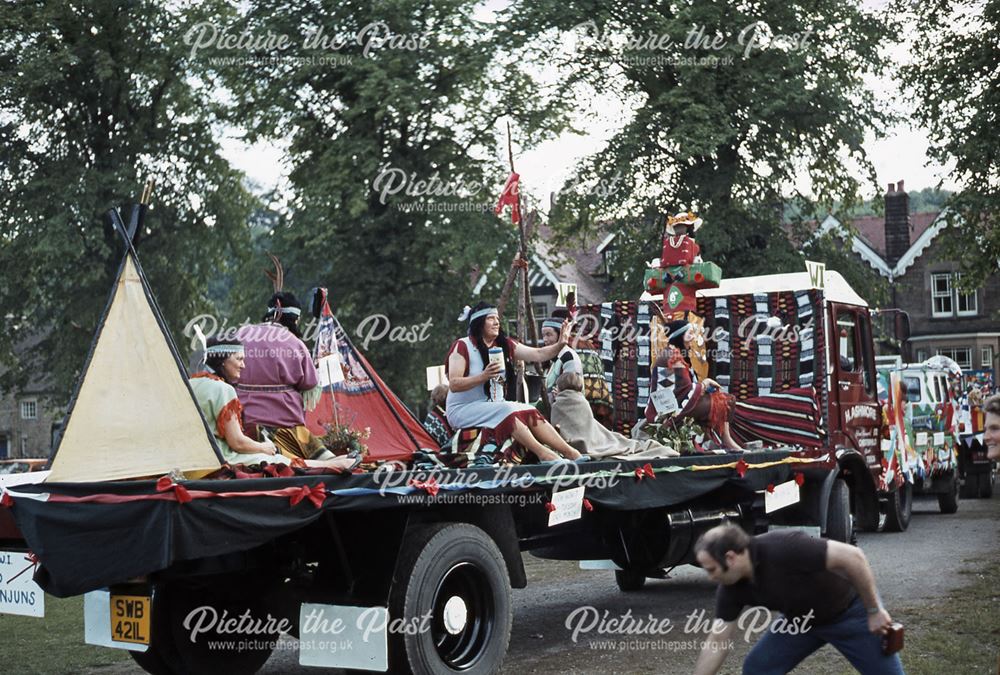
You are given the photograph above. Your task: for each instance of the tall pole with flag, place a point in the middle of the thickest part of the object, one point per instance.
(511, 196)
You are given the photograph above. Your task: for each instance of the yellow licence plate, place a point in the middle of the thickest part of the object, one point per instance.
(130, 618)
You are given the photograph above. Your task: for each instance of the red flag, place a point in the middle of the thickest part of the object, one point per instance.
(509, 197)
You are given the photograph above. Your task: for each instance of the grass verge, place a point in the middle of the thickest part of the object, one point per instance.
(51, 645)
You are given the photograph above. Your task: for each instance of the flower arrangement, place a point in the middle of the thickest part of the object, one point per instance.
(677, 433)
(342, 439)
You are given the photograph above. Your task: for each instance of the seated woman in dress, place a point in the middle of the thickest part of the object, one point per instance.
(215, 395)
(477, 396)
(572, 415)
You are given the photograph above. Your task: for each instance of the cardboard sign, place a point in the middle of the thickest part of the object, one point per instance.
(19, 594)
(435, 376)
(329, 370)
(564, 290)
(569, 505)
(664, 400)
(817, 273)
(784, 494)
(921, 438)
(938, 438)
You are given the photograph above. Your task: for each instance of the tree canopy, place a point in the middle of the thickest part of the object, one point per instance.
(94, 98)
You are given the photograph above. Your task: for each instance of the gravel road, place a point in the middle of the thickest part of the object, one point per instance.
(921, 564)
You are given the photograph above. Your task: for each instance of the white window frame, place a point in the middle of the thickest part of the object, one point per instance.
(921, 355)
(952, 353)
(986, 357)
(31, 405)
(944, 296)
(972, 308)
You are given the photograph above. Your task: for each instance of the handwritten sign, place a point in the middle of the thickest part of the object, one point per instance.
(19, 594)
(568, 505)
(564, 291)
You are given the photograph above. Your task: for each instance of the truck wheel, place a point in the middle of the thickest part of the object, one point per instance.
(630, 580)
(455, 574)
(899, 508)
(839, 523)
(948, 502)
(229, 597)
(970, 486)
(986, 485)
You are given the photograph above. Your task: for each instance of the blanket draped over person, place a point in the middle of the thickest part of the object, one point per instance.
(572, 415)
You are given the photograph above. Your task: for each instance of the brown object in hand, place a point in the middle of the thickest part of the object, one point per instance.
(892, 639)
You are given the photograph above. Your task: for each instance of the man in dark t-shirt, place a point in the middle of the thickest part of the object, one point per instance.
(823, 589)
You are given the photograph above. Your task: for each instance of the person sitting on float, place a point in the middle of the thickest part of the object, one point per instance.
(566, 361)
(279, 372)
(215, 395)
(214, 392)
(477, 396)
(703, 401)
(436, 422)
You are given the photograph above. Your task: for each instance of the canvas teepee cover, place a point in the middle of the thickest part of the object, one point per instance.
(133, 414)
(359, 398)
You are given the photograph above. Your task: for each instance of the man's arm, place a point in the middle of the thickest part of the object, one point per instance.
(851, 563)
(715, 649)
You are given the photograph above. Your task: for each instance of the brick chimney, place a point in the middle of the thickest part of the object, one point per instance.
(897, 223)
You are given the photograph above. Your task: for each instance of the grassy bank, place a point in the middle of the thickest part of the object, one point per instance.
(52, 645)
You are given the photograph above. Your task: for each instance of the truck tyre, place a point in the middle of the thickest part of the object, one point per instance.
(899, 509)
(630, 580)
(171, 650)
(948, 501)
(970, 486)
(456, 573)
(839, 523)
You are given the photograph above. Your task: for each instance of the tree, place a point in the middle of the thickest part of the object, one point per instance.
(956, 83)
(735, 104)
(94, 98)
(393, 131)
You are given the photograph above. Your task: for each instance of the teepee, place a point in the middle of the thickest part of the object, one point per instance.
(133, 413)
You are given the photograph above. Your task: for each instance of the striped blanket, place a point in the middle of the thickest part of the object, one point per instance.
(789, 418)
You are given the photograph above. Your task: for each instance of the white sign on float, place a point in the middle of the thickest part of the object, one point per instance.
(568, 505)
(563, 291)
(435, 376)
(19, 594)
(329, 370)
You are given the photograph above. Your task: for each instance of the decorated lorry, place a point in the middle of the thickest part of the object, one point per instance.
(197, 568)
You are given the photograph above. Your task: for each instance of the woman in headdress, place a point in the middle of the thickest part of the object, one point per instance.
(213, 390)
(566, 361)
(478, 385)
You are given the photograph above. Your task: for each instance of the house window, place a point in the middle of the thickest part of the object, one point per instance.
(986, 360)
(609, 261)
(968, 303)
(29, 409)
(947, 300)
(941, 304)
(921, 355)
(960, 355)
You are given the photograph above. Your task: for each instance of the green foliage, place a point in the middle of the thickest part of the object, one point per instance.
(409, 116)
(732, 139)
(958, 89)
(94, 99)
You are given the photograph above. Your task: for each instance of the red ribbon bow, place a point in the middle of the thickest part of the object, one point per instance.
(770, 488)
(550, 507)
(166, 483)
(431, 486)
(741, 468)
(800, 479)
(6, 500)
(316, 494)
(587, 505)
(643, 471)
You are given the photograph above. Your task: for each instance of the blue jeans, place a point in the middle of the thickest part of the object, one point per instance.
(778, 653)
